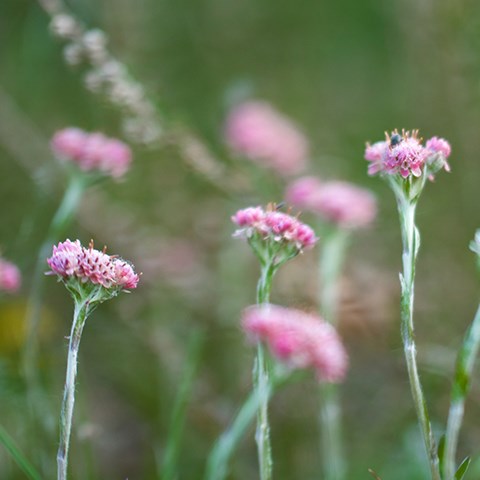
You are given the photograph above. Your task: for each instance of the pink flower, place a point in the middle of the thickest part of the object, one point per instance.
(10, 278)
(70, 260)
(405, 155)
(273, 225)
(439, 145)
(298, 339)
(92, 151)
(300, 192)
(341, 203)
(257, 131)
(375, 154)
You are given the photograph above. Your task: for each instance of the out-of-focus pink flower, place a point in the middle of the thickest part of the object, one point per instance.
(274, 225)
(10, 278)
(71, 260)
(257, 131)
(299, 339)
(341, 203)
(405, 155)
(92, 151)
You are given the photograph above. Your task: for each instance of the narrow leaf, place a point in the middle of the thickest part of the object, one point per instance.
(462, 469)
(18, 456)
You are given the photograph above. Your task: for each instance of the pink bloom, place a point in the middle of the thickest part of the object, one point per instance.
(299, 339)
(71, 260)
(341, 203)
(125, 275)
(92, 151)
(439, 145)
(69, 143)
(10, 278)
(274, 225)
(257, 131)
(300, 192)
(375, 155)
(405, 155)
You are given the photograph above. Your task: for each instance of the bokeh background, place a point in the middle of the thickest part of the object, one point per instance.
(345, 72)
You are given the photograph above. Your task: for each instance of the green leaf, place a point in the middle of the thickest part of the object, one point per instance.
(462, 469)
(441, 452)
(18, 456)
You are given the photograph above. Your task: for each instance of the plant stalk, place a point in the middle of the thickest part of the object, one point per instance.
(66, 414)
(332, 257)
(461, 385)
(261, 376)
(411, 244)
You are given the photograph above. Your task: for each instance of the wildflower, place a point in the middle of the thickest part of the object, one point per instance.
(405, 155)
(298, 339)
(81, 268)
(10, 278)
(340, 203)
(257, 131)
(274, 235)
(92, 151)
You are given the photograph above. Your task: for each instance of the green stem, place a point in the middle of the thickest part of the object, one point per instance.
(411, 244)
(261, 380)
(217, 464)
(172, 450)
(332, 257)
(66, 414)
(463, 374)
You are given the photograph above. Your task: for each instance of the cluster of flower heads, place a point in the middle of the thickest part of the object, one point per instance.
(258, 132)
(10, 278)
(340, 203)
(92, 151)
(298, 339)
(405, 154)
(71, 261)
(270, 224)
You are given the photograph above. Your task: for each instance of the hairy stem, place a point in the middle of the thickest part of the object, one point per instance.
(411, 244)
(66, 414)
(461, 385)
(261, 376)
(331, 261)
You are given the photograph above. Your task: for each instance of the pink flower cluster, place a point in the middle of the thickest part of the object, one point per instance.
(299, 339)
(341, 203)
(257, 131)
(10, 278)
(404, 154)
(71, 260)
(272, 224)
(92, 151)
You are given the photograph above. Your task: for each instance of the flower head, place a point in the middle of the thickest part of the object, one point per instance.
(340, 203)
(10, 278)
(257, 131)
(298, 339)
(83, 268)
(92, 151)
(274, 235)
(405, 155)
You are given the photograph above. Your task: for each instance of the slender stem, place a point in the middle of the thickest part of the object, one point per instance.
(66, 414)
(217, 464)
(332, 257)
(261, 379)
(463, 373)
(411, 244)
(172, 450)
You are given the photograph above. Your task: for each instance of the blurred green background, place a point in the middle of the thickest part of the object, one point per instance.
(345, 71)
